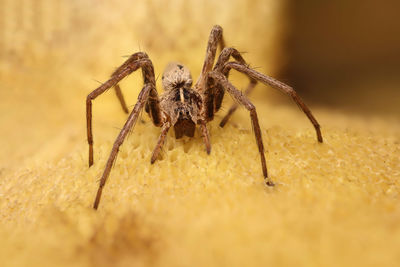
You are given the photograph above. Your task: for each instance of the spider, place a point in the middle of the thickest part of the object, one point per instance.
(182, 106)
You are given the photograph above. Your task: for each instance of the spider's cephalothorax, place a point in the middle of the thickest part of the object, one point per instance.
(180, 103)
(184, 107)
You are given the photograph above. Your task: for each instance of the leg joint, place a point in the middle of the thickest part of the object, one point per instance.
(89, 98)
(217, 29)
(250, 106)
(141, 55)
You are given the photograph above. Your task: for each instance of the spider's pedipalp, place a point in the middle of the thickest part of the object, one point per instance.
(206, 136)
(160, 142)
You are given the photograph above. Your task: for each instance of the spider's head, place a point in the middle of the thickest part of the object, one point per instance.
(176, 75)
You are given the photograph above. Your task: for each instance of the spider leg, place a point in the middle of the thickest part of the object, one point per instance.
(218, 78)
(160, 142)
(281, 87)
(142, 98)
(121, 98)
(213, 99)
(214, 40)
(117, 88)
(234, 106)
(137, 60)
(224, 57)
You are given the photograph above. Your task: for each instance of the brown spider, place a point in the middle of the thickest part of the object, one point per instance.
(185, 107)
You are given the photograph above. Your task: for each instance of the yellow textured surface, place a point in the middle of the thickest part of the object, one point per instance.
(335, 204)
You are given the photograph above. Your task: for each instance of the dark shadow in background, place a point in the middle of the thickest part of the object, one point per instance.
(345, 54)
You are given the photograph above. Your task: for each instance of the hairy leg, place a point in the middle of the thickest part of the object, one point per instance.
(235, 105)
(214, 40)
(209, 96)
(137, 60)
(224, 57)
(142, 98)
(281, 87)
(121, 99)
(216, 77)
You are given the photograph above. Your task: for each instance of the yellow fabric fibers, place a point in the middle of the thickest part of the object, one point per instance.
(335, 204)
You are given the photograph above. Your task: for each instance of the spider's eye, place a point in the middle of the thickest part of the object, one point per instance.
(188, 83)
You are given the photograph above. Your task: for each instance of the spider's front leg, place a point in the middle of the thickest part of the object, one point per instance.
(213, 99)
(223, 58)
(147, 97)
(214, 40)
(136, 61)
(277, 85)
(215, 78)
(142, 98)
(224, 67)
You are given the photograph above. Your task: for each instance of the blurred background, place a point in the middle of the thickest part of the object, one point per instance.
(339, 55)
(345, 54)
